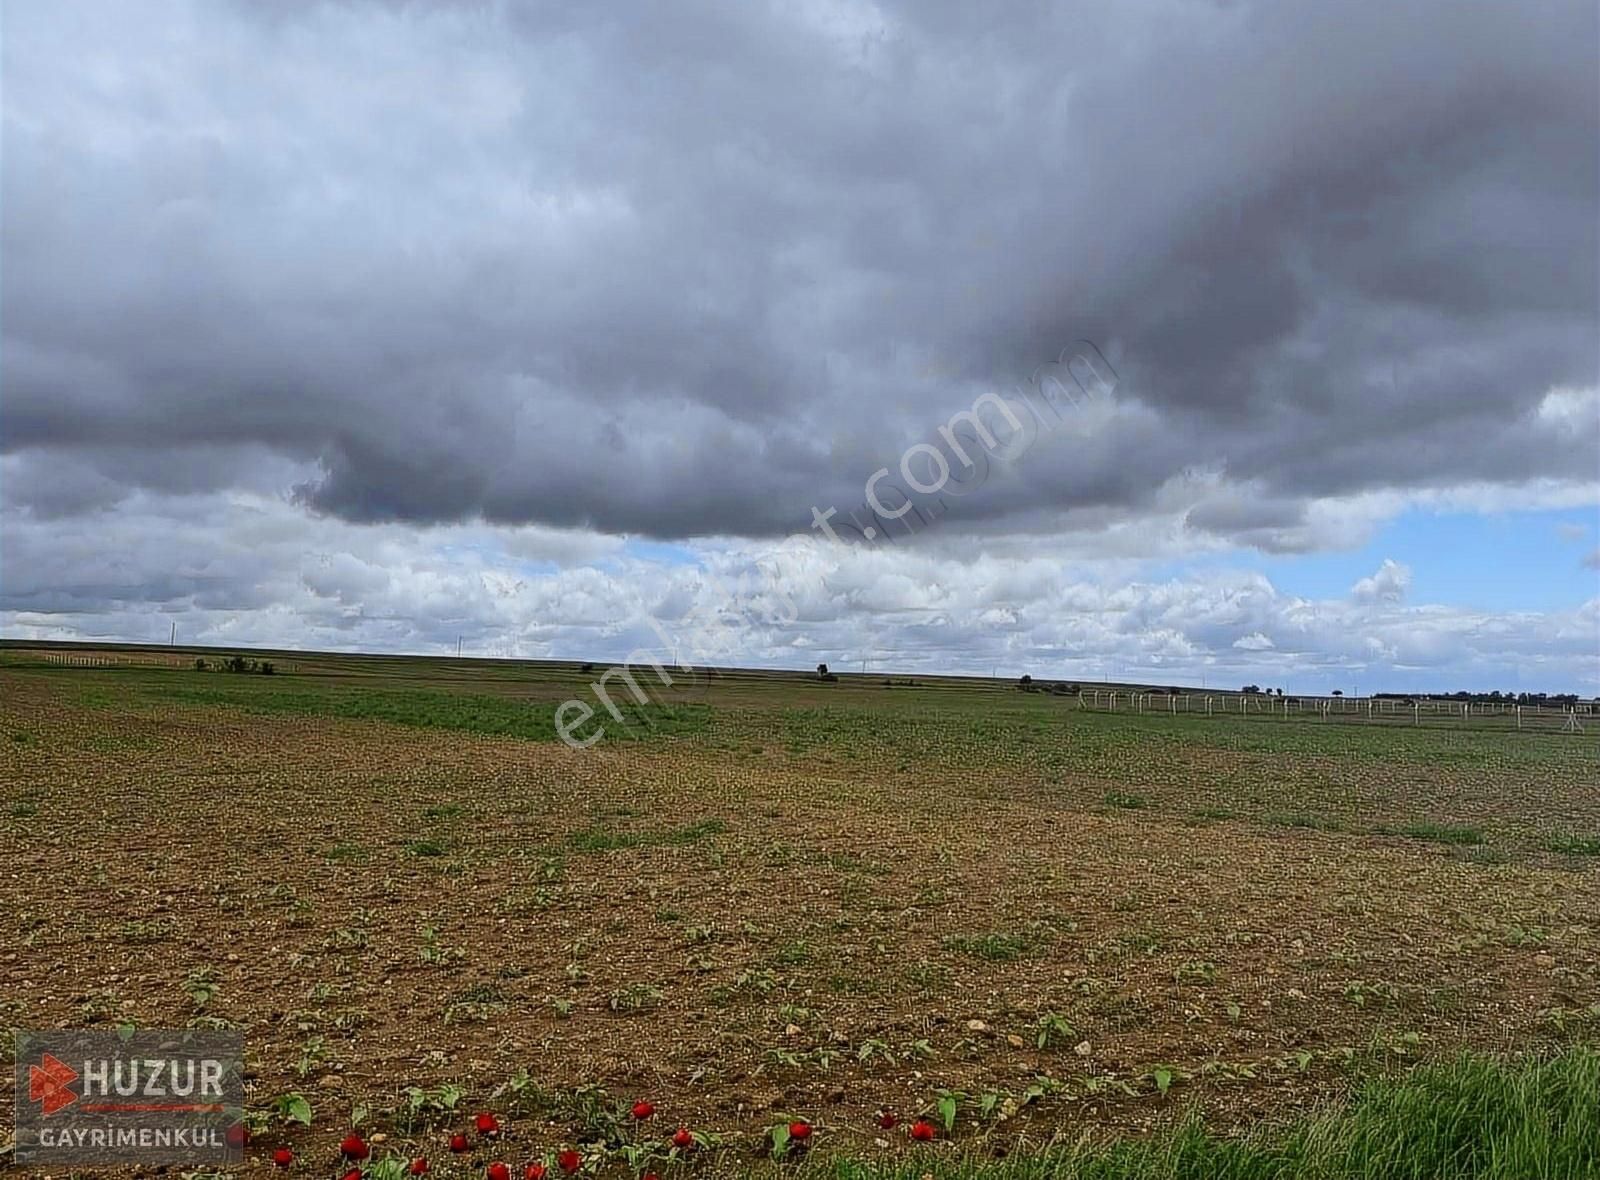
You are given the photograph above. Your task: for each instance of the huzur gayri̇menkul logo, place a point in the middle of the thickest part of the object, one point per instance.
(50, 1084)
(132, 1096)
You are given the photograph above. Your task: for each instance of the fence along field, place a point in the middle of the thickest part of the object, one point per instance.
(1010, 914)
(1379, 710)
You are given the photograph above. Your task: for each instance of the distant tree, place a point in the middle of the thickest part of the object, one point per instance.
(1280, 692)
(200, 664)
(1338, 692)
(266, 668)
(1026, 682)
(822, 670)
(586, 669)
(1252, 689)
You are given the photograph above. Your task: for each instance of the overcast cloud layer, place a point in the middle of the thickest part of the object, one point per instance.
(463, 295)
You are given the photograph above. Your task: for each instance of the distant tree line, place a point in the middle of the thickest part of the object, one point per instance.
(1548, 699)
(240, 664)
(1029, 684)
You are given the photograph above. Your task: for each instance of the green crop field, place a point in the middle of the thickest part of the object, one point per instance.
(801, 917)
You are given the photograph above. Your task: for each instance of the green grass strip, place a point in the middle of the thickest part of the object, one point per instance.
(495, 716)
(1469, 1118)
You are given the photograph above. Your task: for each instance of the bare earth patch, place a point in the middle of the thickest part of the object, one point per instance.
(766, 919)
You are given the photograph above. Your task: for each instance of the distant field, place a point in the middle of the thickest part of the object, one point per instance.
(773, 898)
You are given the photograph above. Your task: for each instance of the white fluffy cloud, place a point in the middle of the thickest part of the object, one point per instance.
(255, 572)
(1389, 584)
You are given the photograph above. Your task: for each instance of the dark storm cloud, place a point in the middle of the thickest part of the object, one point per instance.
(691, 269)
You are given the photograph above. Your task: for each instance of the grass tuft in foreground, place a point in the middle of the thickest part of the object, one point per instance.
(1574, 845)
(1472, 1118)
(1437, 833)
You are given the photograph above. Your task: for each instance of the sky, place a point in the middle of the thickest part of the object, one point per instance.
(1267, 331)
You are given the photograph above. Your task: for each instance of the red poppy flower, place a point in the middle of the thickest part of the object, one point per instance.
(533, 1172)
(458, 1143)
(419, 1167)
(570, 1161)
(487, 1124)
(649, 1176)
(354, 1147)
(238, 1135)
(353, 1174)
(887, 1120)
(283, 1157)
(643, 1110)
(800, 1132)
(922, 1131)
(498, 1171)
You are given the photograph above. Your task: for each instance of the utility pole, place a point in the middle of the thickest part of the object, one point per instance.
(458, 647)
(173, 641)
